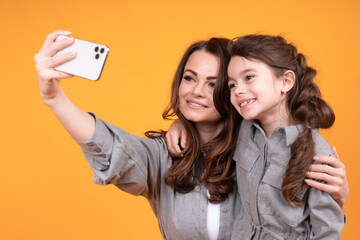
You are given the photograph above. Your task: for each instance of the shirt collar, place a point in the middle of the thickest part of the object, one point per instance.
(290, 132)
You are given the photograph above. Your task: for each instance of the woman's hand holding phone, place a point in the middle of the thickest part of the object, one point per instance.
(77, 122)
(45, 61)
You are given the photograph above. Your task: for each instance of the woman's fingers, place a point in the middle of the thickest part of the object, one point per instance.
(59, 59)
(333, 161)
(52, 37)
(53, 74)
(53, 48)
(335, 152)
(329, 179)
(322, 168)
(331, 189)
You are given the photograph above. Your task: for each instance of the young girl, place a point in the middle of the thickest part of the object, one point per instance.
(272, 88)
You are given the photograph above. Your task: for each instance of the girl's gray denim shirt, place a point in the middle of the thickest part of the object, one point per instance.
(265, 213)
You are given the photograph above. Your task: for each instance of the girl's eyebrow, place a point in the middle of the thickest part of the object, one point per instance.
(195, 73)
(242, 73)
(247, 70)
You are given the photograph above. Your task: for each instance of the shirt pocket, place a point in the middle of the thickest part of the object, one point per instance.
(246, 155)
(272, 203)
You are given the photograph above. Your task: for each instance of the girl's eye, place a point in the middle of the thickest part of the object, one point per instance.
(248, 77)
(232, 85)
(188, 78)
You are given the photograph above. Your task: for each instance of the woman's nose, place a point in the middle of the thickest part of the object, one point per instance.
(198, 89)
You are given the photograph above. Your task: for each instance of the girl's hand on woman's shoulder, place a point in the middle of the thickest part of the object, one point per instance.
(334, 174)
(176, 138)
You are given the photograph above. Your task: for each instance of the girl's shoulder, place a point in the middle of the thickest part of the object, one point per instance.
(321, 145)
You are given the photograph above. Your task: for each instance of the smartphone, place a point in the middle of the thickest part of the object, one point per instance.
(90, 59)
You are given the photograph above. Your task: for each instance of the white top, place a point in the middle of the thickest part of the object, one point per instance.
(213, 219)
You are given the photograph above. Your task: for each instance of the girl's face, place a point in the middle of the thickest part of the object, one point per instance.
(197, 88)
(256, 92)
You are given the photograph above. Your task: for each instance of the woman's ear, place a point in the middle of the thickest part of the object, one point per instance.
(288, 81)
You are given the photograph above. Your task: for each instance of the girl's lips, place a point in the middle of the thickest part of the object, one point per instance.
(245, 102)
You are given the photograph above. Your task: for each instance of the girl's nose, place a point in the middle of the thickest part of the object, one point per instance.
(239, 90)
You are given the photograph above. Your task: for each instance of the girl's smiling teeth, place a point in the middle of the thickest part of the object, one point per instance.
(246, 102)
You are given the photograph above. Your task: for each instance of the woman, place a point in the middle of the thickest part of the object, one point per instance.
(184, 191)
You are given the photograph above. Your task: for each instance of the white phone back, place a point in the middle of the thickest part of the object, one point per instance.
(89, 61)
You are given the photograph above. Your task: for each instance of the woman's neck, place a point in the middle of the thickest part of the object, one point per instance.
(208, 131)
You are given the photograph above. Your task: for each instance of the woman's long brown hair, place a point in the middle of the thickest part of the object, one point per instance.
(211, 162)
(304, 103)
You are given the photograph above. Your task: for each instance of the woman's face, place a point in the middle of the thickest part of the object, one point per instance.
(197, 88)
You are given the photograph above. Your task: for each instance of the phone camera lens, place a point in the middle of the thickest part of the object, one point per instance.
(97, 56)
(102, 50)
(96, 49)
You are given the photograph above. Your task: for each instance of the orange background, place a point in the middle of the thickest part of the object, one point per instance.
(46, 187)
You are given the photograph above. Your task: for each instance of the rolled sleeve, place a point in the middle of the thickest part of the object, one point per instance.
(129, 162)
(98, 148)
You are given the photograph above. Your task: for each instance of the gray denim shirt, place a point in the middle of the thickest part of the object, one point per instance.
(265, 213)
(139, 166)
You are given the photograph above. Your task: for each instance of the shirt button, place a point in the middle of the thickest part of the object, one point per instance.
(225, 210)
(97, 150)
(101, 181)
(103, 155)
(90, 144)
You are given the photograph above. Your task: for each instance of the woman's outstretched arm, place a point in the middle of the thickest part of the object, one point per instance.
(78, 123)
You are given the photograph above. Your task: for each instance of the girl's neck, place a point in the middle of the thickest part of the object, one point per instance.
(269, 123)
(208, 131)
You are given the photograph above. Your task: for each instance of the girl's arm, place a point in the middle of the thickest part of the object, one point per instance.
(78, 123)
(176, 138)
(334, 174)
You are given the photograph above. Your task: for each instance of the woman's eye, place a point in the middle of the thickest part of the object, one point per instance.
(248, 77)
(212, 84)
(188, 78)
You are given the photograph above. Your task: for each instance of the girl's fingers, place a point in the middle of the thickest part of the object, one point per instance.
(52, 37)
(172, 142)
(183, 139)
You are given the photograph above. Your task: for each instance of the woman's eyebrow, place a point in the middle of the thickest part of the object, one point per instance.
(192, 71)
(195, 73)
